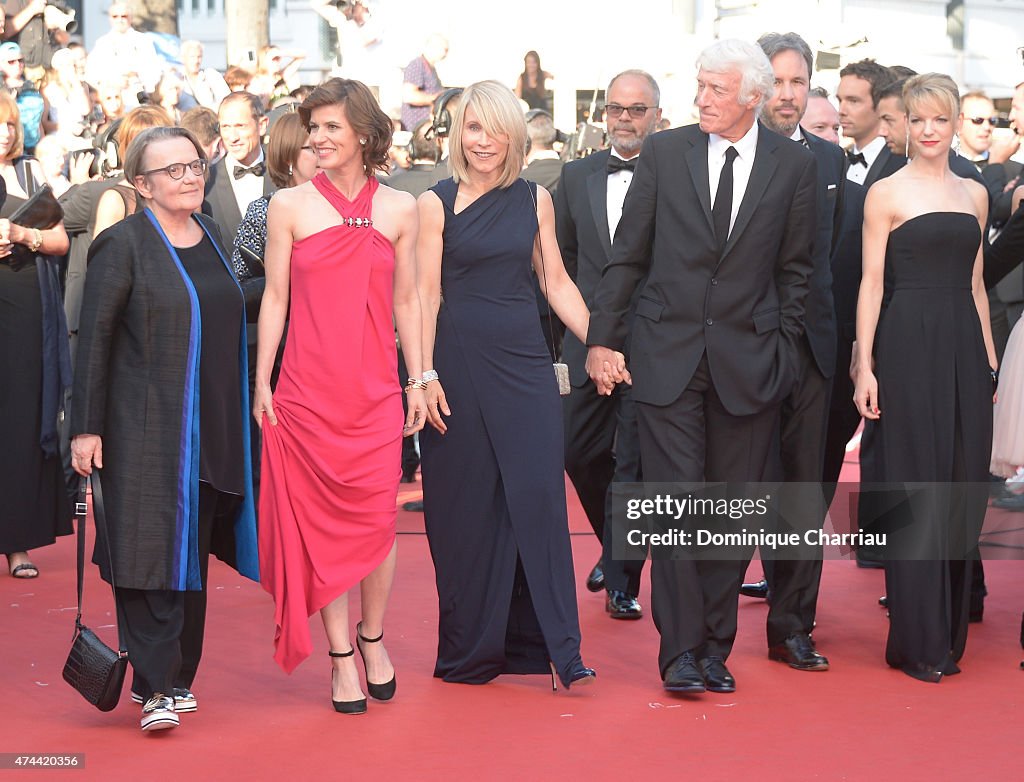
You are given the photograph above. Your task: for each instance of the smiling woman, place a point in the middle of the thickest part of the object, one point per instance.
(339, 263)
(160, 399)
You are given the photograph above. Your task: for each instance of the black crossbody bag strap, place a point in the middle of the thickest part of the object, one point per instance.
(100, 515)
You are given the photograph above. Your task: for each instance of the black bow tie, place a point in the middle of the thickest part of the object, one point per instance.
(256, 170)
(856, 157)
(618, 164)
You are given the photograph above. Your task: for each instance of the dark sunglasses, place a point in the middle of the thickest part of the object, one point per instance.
(993, 121)
(614, 110)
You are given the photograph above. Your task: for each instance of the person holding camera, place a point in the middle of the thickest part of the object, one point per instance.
(26, 26)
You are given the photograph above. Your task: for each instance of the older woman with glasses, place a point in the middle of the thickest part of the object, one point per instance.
(160, 403)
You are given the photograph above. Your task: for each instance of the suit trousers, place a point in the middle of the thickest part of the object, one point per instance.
(601, 446)
(164, 629)
(802, 429)
(695, 439)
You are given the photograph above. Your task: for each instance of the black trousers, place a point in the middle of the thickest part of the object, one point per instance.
(696, 439)
(602, 446)
(802, 429)
(164, 629)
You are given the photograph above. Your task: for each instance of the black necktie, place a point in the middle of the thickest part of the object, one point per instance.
(721, 213)
(618, 164)
(856, 157)
(256, 170)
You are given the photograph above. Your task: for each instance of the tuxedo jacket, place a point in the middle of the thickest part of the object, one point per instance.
(581, 225)
(996, 176)
(220, 203)
(744, 307)
(820, 320)
(886, 164)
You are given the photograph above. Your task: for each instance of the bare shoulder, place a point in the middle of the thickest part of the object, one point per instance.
(885, 193)
(396, 200)
(977, 192)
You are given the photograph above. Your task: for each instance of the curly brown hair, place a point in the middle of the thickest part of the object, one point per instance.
(363, 113)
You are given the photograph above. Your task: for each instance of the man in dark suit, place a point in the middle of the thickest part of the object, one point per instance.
(718, 228)
(859, 86)
(804, 415)
(241, 176)
(418, 178)
(600, 431)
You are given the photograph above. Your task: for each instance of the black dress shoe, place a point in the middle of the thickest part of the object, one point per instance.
(595, 581)
(883, 601)
(683, 675)
(416, 506)
(758, 589)
(716, 676)
(1015, 503)
(622, 605)
(798, 652)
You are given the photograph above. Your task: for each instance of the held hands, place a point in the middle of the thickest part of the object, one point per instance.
(607, 368)
(263, 402)
(436, 406)
(86, 451)
(865, 395)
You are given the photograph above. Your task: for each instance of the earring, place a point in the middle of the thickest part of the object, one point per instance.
(362, 141)
(289, 170)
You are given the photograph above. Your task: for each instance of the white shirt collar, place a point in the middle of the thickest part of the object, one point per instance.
(745, 147)
(233, 164)
(797, 135)
(871, 150)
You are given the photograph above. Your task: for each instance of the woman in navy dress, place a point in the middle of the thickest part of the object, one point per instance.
(493, 482)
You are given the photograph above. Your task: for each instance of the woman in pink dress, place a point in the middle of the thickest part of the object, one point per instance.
(339, 254)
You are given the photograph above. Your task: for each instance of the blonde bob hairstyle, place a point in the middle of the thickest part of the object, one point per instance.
(934, 89)
(499, 112)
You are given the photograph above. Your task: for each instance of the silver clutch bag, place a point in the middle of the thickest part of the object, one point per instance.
(562, 376)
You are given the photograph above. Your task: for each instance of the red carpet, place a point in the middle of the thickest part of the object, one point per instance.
(858, 721)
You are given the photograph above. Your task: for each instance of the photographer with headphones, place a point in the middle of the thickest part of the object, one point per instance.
(441, 114)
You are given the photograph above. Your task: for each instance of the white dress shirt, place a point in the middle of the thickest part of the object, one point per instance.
(618, 184)
(859, 173)
(249, 187)
(741, 166)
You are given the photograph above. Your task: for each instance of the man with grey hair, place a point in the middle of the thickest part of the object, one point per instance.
(717, 232)
(600, 431)
(543, 165)
(804, 413)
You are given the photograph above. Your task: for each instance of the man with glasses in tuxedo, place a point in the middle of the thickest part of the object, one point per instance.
(600, 431)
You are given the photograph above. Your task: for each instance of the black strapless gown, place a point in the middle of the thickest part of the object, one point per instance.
(935, 397)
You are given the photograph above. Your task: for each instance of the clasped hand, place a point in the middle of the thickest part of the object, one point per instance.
(607, 368)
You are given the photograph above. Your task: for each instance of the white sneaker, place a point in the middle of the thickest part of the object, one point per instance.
(158, 713)
(1016, 482)
(184, 700)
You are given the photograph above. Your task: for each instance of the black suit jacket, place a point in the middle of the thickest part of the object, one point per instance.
(996, 176)
(745, 307)
(581, 224)
(886, 164)
(220, 203)
(820, 321)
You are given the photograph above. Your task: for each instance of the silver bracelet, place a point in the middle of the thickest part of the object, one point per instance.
(430, 376)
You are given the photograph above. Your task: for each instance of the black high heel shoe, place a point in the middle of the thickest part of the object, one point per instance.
(581, 675)
(380, 692)
(346, 707)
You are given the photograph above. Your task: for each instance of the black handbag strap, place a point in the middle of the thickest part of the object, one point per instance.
(532, 186)
(100, 516)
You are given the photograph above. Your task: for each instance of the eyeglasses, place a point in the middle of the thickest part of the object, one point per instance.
(614, 110)
(177, 170)
(993, 121)
(12, 62)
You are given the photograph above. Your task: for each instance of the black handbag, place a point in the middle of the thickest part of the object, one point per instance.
(40, 211)
(92, 667)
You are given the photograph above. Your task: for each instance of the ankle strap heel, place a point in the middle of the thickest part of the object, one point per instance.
(349, 653)
(380, 692)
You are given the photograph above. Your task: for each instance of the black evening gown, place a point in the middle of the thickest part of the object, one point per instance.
(493, 486)
(935, 397)
(35, 507)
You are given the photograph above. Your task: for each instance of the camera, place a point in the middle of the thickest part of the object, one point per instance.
(59, 16)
